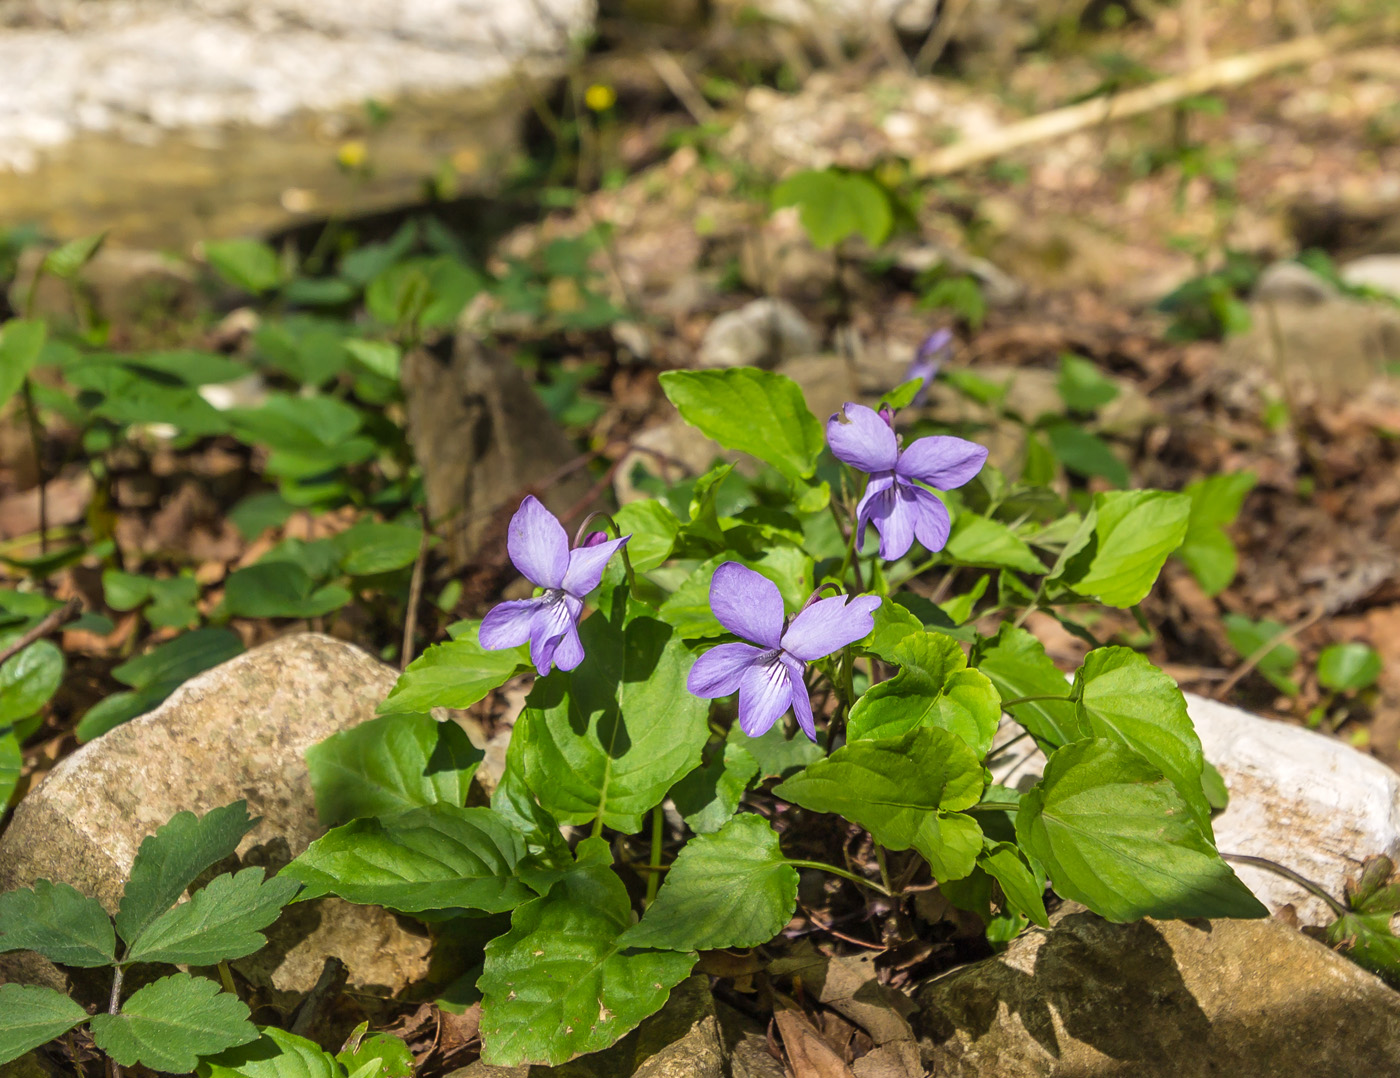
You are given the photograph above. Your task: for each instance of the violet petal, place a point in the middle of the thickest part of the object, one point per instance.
(719, 671)
(765, 692)
(801, 702)
(747, 604)
(930, 518)
(893, 517)
(552, 620)
(508, 625)
(538, 545)
(828, 625)
(878, 499)
(586, 565)
(941, 461)
(859, 437)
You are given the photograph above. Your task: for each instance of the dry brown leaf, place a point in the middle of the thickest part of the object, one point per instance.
(809, 1056)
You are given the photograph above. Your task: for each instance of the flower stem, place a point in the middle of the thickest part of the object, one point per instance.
(884, 869)
(1034, 699)
(657, 834)
(1311, 886)
(821, 866)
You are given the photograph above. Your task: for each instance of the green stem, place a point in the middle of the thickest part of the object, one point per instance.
(884, 869)
(918, 570)
(823, 867)
(1006, 745)
(36, 441)
(597, 826)
(658, 820)
(992, 806)
(1311, 886)
(226, 978)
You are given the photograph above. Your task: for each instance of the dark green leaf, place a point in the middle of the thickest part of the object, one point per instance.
(560, 983)
(279, 589)
(1367, 940)
(168, 862)
(1025, 893)
(220, 921)
(28, 679)
(390, 764)
(756, 412)
(169, 1024)
(1086, 454)
(688, 609)
(274, 1055)
(434, 858)
(31, 1016)
(1083, 386)
(733, 888)
(708, 796)
(178, 660)
(778, 755)
(1115, 835)
(21, 343)
(368, 547)
(380, 1055)
(59, 923)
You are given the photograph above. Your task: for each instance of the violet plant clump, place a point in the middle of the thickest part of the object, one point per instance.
(755, 656)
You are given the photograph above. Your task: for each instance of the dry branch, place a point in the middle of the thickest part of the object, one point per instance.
(1233, 71)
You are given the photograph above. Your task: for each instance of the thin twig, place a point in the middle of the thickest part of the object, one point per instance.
(51, 621)
(415, 591)
(670, 71)
(1311, 886)
(1218, 75)
(1263, 650)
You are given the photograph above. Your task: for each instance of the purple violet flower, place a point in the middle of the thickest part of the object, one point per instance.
(539, 547)
(768, 677)
(900, 508)
(927, 361)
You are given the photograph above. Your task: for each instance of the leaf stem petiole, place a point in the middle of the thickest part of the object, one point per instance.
(821, 866)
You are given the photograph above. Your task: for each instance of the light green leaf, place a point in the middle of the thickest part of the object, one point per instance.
(11, 765)
(707, 797)
(1125, 699)
(1348, 667)
(733, 888)
(901, 395)
(66, 260)
(31, 1016)
(1114, 834)
(247, 264)
(220, 921)
(778, 755)
(977, 540)
(753, 411)
(905, 792)
(59, 923)
(1083, 387)
(275, 1054)
(1016, 663)
(168, 862)
(457, 673)
(1207, 550)
(561, 983)
(378, 357)
(834, 205)
(391, 764)
(21, 343)
(370, 547)
(653, 529)
(169, 1024)
(933, 688)
(28, 679)
(893, 623)
(610, 738)
(1134, 532)
(433, 858)
(380, 1055)
(1247, 637)
(279, 589)
(1024, 892)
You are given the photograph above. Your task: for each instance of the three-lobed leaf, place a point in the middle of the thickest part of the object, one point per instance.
(732, 888)
(390, 764)
(1114, 834)
(753, 411)
(220, 921)
(58, 922)
(561, 982)
(431, 858)
(31, 1016)
(170, 1023)
(168, 862)
(907, 792)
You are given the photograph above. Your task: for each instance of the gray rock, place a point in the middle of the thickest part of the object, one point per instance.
(1305, 800)
(758, 334)
(1175, 999)
(1292, 282)
(236, 731)
(1381, 272)
(682, 1040)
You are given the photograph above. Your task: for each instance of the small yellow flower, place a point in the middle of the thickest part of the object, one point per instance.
(352, 154)
(600, 98)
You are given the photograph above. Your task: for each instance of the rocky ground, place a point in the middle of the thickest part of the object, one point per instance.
(1283, 370)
